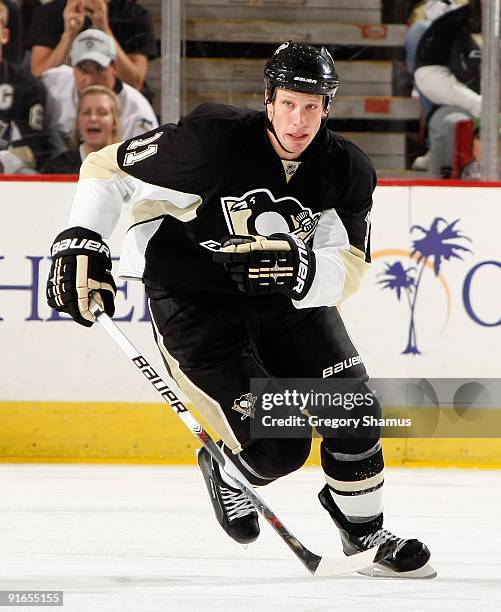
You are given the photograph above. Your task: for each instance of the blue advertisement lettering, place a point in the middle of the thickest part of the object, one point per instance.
(467, 292)
(34, 290)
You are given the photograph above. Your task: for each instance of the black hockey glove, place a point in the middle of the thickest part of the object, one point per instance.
(81, 264)
(279, 263)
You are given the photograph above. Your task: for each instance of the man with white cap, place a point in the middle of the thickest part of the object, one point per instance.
(92, 59)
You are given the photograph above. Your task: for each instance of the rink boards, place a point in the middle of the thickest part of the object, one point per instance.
(67, 393)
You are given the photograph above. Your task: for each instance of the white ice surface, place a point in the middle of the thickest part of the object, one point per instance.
(122, 538)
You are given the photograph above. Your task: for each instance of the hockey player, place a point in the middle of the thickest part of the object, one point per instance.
(247, 228)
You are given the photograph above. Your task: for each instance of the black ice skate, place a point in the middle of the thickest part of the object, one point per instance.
(409, 558)
(234, 511)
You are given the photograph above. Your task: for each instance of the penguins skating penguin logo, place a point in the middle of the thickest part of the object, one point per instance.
(259, 213)
(245, 405)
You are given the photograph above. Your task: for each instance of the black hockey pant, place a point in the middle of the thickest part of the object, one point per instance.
(213, 350)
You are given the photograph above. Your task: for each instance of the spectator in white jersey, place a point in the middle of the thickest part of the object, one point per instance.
(97, 125)
(93, 57)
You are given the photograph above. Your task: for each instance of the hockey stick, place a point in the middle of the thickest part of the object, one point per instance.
(171, 394)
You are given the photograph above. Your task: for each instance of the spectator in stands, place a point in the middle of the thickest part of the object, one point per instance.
(472, 170)
(57, 23)
(23, 142)
(93, 59)
(97, 125)
(14, 49)
(447, 72)
(420, 19)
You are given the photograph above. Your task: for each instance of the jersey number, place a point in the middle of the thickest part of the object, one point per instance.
(136, 156)
(6, 96)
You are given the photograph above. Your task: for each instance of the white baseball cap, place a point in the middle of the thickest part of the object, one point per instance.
(93, 45)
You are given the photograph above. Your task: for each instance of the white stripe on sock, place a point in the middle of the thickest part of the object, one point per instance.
(366, 505)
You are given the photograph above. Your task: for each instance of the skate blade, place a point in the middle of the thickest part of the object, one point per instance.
(380, 571)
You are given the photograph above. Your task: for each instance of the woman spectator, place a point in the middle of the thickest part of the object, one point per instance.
(97, 125)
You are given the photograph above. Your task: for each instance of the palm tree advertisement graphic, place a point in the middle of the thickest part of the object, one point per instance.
(439, 243)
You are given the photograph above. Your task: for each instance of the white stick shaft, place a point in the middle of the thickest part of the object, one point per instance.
(174, 395)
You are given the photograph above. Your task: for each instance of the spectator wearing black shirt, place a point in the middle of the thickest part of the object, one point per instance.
(97, 125)
(13, 51)
(420, 20)
(57, 23)
(448, 67)
(23, 143)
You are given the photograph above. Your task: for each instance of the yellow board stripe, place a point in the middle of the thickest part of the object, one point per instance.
(151, 433)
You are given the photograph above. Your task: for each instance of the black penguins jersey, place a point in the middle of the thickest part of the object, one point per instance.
(216, 174)
(22, 107)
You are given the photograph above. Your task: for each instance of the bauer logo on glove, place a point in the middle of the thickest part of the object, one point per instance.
(76, 243)
(280, 263)
(81, 264)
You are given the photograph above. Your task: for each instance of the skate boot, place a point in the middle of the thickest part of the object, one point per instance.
(234, 511)
(409, 558)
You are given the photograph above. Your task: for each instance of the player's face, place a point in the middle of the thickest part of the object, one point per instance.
(296, 118)
(97, 121)
(89, 72)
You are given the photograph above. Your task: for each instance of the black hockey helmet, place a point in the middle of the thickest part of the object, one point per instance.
(301, 68)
